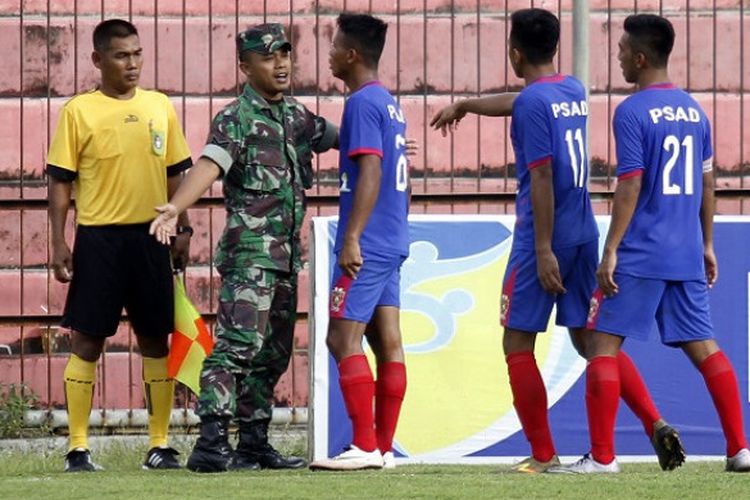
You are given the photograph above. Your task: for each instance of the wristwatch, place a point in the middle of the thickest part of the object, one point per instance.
(185, 229)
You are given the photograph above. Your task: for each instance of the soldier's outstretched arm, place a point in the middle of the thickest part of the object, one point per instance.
(198, 180)
(448, 117)
(325, 134)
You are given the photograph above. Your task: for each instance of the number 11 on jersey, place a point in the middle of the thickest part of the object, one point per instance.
(577, 156)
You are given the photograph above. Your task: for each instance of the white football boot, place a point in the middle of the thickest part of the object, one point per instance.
(351, 459)
(586, 465)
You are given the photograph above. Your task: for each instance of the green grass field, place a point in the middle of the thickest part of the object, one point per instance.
(37, 474)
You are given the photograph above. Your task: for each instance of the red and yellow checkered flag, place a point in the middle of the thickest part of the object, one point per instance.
(191, 341)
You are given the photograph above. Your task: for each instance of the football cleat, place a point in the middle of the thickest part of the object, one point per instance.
(79, 460)
(389, 461)
(668, 447)
(161, 458)
(740, 462)
(534, 466)
(351, 459)
(586, 465)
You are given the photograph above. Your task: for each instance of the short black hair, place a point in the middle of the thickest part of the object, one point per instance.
(366, 34)
(536, 32)
(105, 31)
(652, 35)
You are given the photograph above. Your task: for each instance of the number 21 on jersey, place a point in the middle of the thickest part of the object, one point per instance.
(674, 147)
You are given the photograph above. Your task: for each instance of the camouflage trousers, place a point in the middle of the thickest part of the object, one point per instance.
(254, 335)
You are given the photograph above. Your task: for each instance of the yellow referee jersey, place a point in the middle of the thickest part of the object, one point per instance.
(119, 152)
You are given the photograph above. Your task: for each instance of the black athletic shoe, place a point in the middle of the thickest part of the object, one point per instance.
(668, 447)
(79, 460)
(161, 458)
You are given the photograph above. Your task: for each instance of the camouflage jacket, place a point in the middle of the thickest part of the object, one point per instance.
(265, 153)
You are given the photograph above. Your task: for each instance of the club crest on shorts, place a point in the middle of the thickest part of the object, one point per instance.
(504, 303)
(594, 304)
(337, 298)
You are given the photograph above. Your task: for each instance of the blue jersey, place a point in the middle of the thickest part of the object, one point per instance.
(373, 123)
(663, 134)
(549, 124)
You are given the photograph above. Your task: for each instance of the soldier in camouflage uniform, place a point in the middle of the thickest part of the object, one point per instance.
(262, 145)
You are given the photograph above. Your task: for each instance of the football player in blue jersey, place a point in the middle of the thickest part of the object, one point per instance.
(554, 254)
(372, 241)
(658, 261)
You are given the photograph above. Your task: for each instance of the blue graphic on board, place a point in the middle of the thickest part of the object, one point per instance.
(458, 400)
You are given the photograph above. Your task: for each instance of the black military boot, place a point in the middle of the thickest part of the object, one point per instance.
(212, 452)
(253, 447)
(243, 460)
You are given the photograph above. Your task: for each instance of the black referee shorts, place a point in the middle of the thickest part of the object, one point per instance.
(115, 267)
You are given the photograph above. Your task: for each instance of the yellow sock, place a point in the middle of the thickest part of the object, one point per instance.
(78, 380)
(159, 392)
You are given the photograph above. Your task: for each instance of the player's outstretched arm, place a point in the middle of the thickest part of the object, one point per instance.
(707, 224)
(447, 119)
(625, 200)
(198, 180)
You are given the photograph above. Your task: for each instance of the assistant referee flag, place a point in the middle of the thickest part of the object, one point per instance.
(191, 341)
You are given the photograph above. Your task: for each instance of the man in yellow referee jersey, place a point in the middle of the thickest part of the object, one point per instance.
(120, 149)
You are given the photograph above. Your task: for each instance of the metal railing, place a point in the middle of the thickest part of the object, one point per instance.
(437, 51)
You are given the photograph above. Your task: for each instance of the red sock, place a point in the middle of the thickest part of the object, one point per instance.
(530, 401)
(358, 389)
(722, 384)
(635, 393)
(602, 397)
(389, 394)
